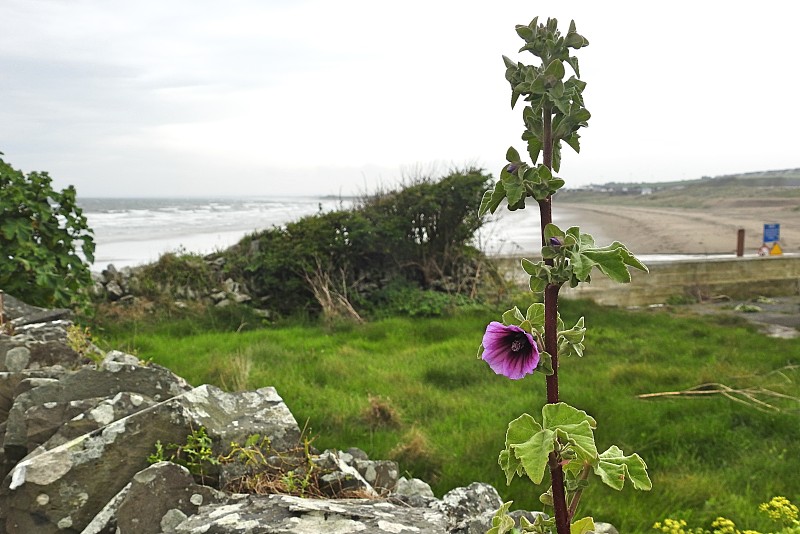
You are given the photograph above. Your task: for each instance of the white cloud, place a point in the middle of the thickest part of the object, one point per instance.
(237, 97)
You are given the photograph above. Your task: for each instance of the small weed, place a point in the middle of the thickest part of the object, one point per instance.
(195, 455)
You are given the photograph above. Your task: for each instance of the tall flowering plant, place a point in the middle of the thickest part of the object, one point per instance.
(562, 442)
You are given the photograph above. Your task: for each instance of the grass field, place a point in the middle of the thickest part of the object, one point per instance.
(413, 390)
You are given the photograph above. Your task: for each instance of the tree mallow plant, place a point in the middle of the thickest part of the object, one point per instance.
(563, 442)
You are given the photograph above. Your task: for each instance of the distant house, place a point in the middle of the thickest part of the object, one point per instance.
(647, 190)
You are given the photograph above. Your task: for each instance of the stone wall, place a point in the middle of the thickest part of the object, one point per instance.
(737, 278)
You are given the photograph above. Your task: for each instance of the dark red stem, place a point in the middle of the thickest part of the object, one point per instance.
(551, 334)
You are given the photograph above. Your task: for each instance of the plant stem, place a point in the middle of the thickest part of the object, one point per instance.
(576, 498)
(551, 333)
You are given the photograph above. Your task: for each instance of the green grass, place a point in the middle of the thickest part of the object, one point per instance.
(708, 456)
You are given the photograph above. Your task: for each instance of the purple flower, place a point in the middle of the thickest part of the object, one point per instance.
(509, 350)
(512, 168)
(555, 242)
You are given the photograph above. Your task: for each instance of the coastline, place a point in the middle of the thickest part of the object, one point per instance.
(660, 233)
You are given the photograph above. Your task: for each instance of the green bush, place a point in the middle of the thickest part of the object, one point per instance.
(41, 234)
(419, 235)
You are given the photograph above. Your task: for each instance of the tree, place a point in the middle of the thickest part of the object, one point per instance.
(41, 234)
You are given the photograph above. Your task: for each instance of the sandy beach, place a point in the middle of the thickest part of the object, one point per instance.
(684, 231)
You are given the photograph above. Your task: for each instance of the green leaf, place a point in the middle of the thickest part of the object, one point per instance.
(512, 156)
(529, 267)
(537, 285)
(521, 429)
(581, 438)
(492, 199)
(513, 316)
(581, 265)
(573, 62)
(614, 467)
(572, 426)
(562, 414)
(551, 230)
(533, 454)
(525, 32)
(555, 70)
(502, 523)
(582, 526)
(515, 190)
(535, 313)
(545, 365)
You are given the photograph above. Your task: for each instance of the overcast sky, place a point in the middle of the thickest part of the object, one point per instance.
(200, 97)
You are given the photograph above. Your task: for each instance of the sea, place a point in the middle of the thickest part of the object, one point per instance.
(135, 231)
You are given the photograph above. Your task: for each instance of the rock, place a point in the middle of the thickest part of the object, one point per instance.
(273, 514)
(24, 431)
(79, 477)
(224, 303)
(230, 286)
(470, 509)
(119, 357)
(413, 488)
(46, 343)
(218, 296)
(341, 476)
(114, 291)
(382, 475)
(20, 313)
(165, 490)
(17, 359)
(110, 273)
(605, 528)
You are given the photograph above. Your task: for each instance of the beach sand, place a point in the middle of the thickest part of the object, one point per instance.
(646, 230)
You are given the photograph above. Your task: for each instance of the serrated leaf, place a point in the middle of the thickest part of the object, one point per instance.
(574, 142)
(573, 62)
(513, 316)
(610, 263)
(502, 523)
(510, 64)
(614, 467)
(521, 429)
(535, 313)
(533, 454)
(492, 199)
(560, 414)
(555, 70)
(545, 365)
(581, 266)
(582, 526)
(529, 267)
(581, 438)
(551, 230)
(515, 192)
(537, 285)
(512, 156)
(525, 32)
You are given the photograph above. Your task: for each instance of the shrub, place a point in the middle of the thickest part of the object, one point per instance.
(419, 236)
(42, 236)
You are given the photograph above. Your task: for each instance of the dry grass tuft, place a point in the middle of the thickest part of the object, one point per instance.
(380, 413)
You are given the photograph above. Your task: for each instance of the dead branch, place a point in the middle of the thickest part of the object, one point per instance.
(752, 397)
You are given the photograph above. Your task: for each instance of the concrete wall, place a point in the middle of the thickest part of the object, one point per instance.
(691, 279)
